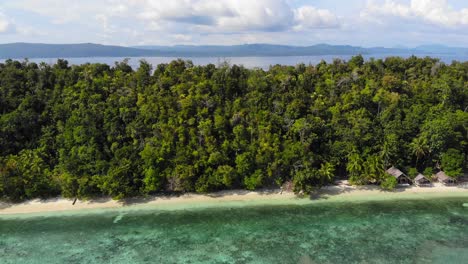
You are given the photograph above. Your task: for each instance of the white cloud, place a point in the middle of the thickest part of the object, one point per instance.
(191, 12)
(6, 26)
(210, 16)
(311, 17)
(436, 12)
(261, 15)
(164, 22)
(180, 16)
(227, 15)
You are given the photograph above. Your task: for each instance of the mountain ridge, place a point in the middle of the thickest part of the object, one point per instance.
(20, 50)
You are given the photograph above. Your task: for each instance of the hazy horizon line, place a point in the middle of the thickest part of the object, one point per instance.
(240, 44)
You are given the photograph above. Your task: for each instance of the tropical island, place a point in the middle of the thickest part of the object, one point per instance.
(94, 130)
(327, 163)
(201, 131)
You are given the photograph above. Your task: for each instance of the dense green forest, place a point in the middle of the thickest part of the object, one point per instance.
(95, 129)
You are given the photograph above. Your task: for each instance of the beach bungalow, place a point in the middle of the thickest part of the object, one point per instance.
(422, 180)
(444, 178)
(399, 175)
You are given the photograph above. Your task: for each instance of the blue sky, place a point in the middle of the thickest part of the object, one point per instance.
(224, 22)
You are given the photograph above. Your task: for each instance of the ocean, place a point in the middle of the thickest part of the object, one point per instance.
(388, 231)
(248, 62)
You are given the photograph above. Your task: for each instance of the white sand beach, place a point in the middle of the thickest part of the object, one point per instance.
(339, 193)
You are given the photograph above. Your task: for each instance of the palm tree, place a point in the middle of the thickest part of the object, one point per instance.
(374, 168)
(419, 148)
(385, 153)
(326, 171)
(354, 165)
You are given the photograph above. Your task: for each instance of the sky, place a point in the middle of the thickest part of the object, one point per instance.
(366, 23)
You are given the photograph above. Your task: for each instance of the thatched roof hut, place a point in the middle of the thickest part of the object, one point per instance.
(421, 180)
(444, 178)
(399, 175)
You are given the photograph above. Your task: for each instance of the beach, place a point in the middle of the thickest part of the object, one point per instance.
(337, 224)
(339, 193)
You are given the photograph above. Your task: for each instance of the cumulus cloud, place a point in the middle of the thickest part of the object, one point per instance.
(191, 12)
(204, 16)
(176, 21)
(436, 12)
(238, 15)
(311, 17)
(227, 15)
(261, 15)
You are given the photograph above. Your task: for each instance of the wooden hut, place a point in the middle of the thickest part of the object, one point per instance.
(399, 175)
(444, 178)
(421, 180)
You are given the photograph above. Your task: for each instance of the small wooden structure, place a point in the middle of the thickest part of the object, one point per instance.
(399, 175)
(444, 178)
(421, 180)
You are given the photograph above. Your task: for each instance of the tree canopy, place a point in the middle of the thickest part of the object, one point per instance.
(94, 129)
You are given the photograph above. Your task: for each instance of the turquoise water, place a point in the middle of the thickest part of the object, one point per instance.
(408, 231)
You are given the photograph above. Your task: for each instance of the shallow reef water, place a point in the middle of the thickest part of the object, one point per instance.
(407, 231)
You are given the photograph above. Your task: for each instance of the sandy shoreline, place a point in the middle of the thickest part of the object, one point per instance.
(340, 192)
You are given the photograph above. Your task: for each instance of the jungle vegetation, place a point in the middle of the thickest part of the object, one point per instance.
(94, 129)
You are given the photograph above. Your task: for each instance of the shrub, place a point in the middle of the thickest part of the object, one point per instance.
(428, 172)
(389, 183)
(304, 180)
(412, 172)
(452, 162)
(254, 181)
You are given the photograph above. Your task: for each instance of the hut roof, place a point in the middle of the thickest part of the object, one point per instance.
(420, 177)
(441, 176)
(395, 172)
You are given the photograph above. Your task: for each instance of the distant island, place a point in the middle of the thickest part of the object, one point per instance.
(37, 50)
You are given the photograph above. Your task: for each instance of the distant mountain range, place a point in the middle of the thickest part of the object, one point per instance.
(34, 50)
